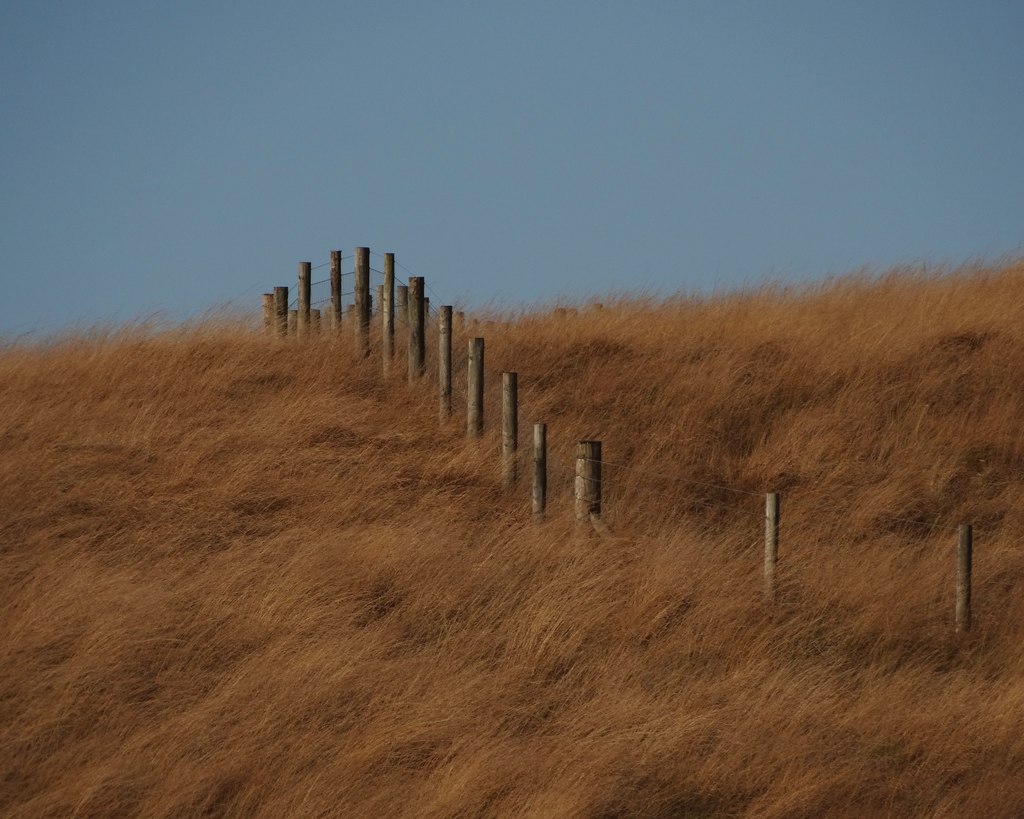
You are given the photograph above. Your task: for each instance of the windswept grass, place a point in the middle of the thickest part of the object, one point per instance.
(242, 578)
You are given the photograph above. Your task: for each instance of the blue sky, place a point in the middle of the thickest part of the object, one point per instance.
(173, 157)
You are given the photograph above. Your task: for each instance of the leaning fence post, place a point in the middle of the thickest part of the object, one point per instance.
(540, 470)
(771, 541)
(387, 308)
(268, 313)
(965, 547)
(510, 428)
(417, 352)
(475, 389)
(444, 362)
(588, 480)
(334, 320)
(305, 282)
(281, 310)
(362, 288)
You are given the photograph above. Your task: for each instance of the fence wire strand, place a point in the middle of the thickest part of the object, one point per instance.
(679, 478)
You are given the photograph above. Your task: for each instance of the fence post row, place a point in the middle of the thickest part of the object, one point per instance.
(771, 542)
(965, 548)
(540, 470)
(510, 428)
(412, 304)
(475, 389)
(417, 339)
(387, 308)
(305, 282)
(444, 362)
(588, 480)
(362, 300)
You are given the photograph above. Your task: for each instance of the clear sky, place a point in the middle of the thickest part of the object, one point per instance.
(176, 156)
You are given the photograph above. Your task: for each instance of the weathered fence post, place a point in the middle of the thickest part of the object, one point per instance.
(314, 321)
(334, 319)
(387, 308)
(444, 362)
(293, 322)
(402, 304)
(426, 309)
(417, 340)
(588, 480)
(305, 283)
(510, 428)
(362, 287)
(771, 541)
(965, 547)
(268, 313)
(540, 470)
(378, 303)
(281, 310)
(475, 389)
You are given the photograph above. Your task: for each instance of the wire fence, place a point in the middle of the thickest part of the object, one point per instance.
(596, 483)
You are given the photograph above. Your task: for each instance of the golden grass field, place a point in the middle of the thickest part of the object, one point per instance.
(246, 578)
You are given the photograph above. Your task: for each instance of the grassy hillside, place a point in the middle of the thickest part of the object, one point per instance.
(243, 578)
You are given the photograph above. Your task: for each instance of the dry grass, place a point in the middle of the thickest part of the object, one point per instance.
(247, 579)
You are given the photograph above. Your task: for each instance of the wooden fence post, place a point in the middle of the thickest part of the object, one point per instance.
(475, 389)
(965, 547)
(444, 362)
(771, 541)
(362, 322)
(510, 428)
(281, 310)
(305, 284)
(426, 309)
(268, 313)
(540, 470)
(417, 340)
(402, 304)
(588, 480)
(334, 319)
(387, 307)
(293, 322)
(314, 321)
(378, 302)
